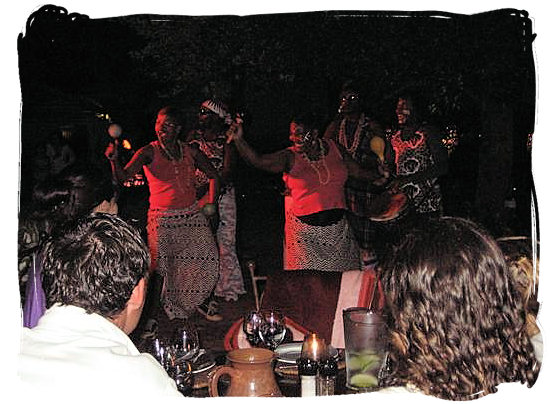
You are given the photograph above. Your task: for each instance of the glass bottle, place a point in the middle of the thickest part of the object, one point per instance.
(326, 381)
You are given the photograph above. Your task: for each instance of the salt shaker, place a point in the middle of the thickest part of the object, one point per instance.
(328, 368)
(307, 370)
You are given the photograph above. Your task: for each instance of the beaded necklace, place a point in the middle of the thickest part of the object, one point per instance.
(176, 163)
(343, 139)
(321, 162)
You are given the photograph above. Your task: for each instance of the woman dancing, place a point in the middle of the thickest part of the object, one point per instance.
(183, 249)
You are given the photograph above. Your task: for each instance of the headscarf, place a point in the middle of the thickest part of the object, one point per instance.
(219, 109)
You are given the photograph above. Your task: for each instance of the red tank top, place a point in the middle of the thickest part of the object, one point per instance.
(171, 184)
(316, 186)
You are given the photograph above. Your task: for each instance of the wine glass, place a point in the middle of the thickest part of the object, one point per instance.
(252, 321)
(163, 352)
(185, 340)
(182, 374)
(273, 328)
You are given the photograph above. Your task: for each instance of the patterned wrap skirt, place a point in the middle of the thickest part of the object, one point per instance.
(320, 248)
(184, 252)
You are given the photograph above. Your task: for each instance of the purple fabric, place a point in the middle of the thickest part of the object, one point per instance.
(35, 299)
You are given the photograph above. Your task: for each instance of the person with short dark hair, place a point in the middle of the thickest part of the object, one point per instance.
(457, 327)
(95, 274)
(77, 191)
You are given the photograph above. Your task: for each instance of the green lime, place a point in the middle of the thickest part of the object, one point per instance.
(364, 362)
(369, 361)
(355, 363)
(363, 380)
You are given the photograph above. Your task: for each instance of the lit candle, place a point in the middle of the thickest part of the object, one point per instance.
(313, 349)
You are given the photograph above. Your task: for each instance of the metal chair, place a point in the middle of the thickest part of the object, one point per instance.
(251, 265)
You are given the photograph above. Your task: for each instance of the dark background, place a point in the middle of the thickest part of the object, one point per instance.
(475, 73)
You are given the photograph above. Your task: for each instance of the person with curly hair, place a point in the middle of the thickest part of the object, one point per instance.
(520, 255)
(457, 325)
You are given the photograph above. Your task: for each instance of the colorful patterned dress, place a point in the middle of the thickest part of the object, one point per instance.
(412, 156)
(230, 283)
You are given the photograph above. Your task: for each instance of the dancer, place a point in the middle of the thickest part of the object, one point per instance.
(317, 233)
(419, 158)
(214, 121)
(183, 249)
(363, 139)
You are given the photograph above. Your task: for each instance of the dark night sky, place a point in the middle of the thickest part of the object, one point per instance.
(272, 66)
(145, 109)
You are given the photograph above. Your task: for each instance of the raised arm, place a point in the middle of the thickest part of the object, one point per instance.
(277, 162)
(142, 157)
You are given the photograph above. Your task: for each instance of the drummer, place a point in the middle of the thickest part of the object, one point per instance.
(363, 139)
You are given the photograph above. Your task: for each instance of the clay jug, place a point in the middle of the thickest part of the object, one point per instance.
(250, 372)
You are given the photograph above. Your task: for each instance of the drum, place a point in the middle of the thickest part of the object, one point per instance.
(393, 207)
(391, 222)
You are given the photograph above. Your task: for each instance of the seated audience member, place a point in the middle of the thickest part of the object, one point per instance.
(78, 191)
(59, 153)
(457, 324)
(94, 275)
(519, 255)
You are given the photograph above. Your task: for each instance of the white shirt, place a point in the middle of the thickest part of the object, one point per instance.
(73, 353)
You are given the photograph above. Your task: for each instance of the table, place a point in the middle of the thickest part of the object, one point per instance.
(288, 384)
